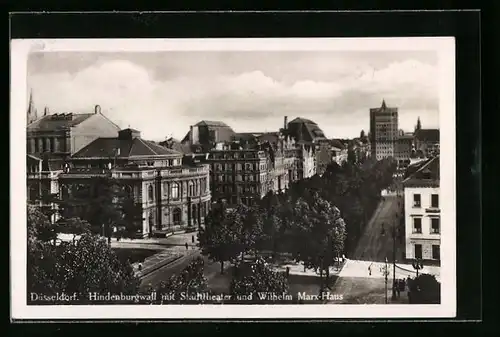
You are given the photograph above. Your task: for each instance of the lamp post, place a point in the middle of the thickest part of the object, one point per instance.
(386, 274)
(417, 265)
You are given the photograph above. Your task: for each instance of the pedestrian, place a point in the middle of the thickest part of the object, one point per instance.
(402, 286)
(287, 271)
(370, 270)
(186, 246)
(398, 288)
(192, 238)
(343, 258)
(140, 266)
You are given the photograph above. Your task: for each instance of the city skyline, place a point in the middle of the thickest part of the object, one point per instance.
(249, 91)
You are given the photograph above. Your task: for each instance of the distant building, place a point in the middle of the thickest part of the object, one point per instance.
(422, 212)
(171, 195)
(206, 134)
(426, 142)
(384, 131)
(403, 153)
(339, 151)
(313, 149)
(63, 134)
(50, 141)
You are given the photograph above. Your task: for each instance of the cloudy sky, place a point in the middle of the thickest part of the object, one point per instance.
(163, 93)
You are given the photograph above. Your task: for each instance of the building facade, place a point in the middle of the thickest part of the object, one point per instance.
(169, 194)
(404, 147)
(63, 134)
(426, 142)
(384, 131)
(422, 212)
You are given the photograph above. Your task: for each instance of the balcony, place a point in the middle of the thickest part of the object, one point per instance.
(432, 210)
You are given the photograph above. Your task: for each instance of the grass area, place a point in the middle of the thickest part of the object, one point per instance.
(134, 255)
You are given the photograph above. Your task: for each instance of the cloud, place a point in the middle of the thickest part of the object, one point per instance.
(133, 94)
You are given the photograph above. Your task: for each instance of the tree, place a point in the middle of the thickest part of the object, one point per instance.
(218, 240)
(39, 226)
(425, 289)
(320, 234)
(186, 286)
(82, 267)
(257, 282)
(351, 156)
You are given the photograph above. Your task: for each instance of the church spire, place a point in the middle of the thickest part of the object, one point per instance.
(419, 125)
(31, 113)
(383, 104)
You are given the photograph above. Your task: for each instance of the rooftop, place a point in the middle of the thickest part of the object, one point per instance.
(427, 175)
(427, 135)
(124, 148)
(211, 123)
(58, 121)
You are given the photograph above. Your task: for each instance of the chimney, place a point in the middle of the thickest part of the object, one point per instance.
(285, 122)
(191, 136)
(46, 111)
(97, 109)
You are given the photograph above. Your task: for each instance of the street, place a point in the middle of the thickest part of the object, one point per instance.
(376, 244)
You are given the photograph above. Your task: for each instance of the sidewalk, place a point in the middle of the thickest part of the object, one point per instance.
(358, 268)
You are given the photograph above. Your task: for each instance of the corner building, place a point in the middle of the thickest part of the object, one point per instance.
(422, 212)
(171, 195)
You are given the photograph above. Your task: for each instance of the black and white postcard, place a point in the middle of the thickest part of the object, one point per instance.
(233, 178)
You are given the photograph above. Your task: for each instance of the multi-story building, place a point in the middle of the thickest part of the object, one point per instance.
(171, 195)
(384, 131)
(206, 134)
(51, 140)
(426, 142)
(313, 151)
(422, 212)
(42, 184)
(339, 151)
(63, 134)
(403, 153)
(240, 172)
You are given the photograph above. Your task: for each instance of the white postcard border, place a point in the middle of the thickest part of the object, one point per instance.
(20, 49)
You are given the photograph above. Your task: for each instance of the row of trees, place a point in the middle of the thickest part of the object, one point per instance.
(87, 268)
(312, 221)
(308, 227)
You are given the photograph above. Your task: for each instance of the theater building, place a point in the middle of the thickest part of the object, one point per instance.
(171, 194)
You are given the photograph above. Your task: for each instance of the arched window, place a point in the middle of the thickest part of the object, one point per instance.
(177, 216)
(191, 189)
(150, 193)
(175, 191)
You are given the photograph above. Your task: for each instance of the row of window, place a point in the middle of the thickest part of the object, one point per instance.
(222, 178)
(417, 226)
(239, 189)
(436, 254)
(193, 189)
(417, 200)
(235, 155)
(49, 144)
(239, 167)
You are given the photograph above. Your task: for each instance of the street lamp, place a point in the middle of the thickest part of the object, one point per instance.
(417, 264)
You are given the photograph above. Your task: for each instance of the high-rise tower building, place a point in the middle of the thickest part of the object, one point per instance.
(383, 131)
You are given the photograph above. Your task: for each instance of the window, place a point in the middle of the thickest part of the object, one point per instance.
(416, 200)
(175, 191)
(191, 189)
(435, 200)
(177, 216)
(150, 193)
(417, 225)
(436, 254)
(435, 225)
